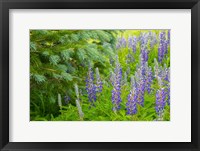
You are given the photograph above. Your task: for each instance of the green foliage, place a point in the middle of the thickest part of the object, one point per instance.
(59, 58)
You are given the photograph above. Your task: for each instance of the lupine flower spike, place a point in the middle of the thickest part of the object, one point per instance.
(116, 92)
(163, 46)
(140, 86)
(99, 83)
(148, 78)
(131, 105)
(168, 86)
(168, 37)
(90, 86)
(121, 43)
(132, 43)
(160, 103)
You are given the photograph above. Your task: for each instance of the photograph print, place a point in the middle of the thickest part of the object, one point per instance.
(100, 75)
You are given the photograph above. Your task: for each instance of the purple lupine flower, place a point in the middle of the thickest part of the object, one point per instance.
(168, 95)
(130, 41)
(142, 65)
(162, 50)
(160, 82)
(143, 39)
(133, 82)
(153, 39)
(146, 75)
(131, 105)
(160, 102)
(167, 78)
(144, 54)
(112, 77)
(116, 92)
(168, 37)
(134, 44)
(140, 88)
(90, 86)
(164, 75)
(148, 78)
(156, 68)
(121, 42)
(118, 44)
(167, 75)
(99, 83)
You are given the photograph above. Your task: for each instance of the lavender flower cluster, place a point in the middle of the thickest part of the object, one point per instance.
(121, 42)
(116, 92)
(132, 43)
(132, 98)
(144, 74)
(140, 86)
(143, 78)
(163, 45)
(141, 83)
(92, 88)
(162, 75)
(160, 102)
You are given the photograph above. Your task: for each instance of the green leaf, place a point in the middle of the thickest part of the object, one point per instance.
(45, 53)
(33, 47)
(81, 54)
(66, 76)
(65, 54)
(39, 78)
(54, 59)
